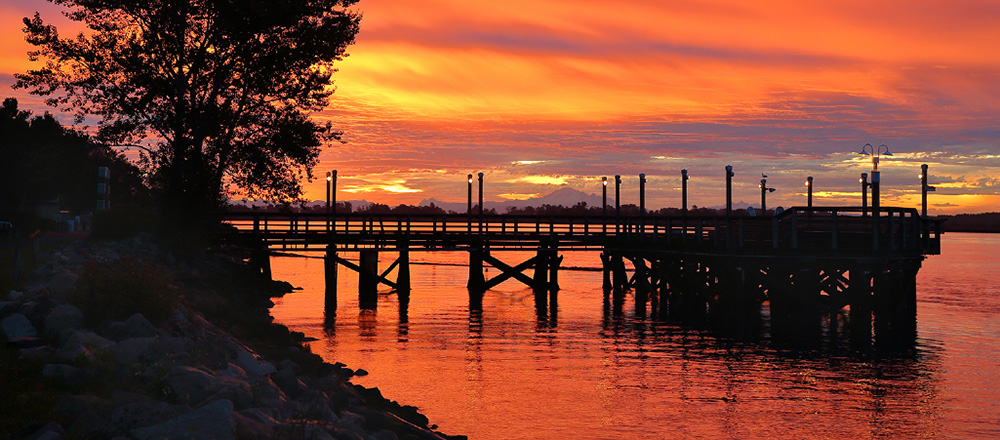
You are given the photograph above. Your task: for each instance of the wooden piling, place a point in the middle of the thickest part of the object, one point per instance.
(368, 279)
(403, 275)
(330, 269)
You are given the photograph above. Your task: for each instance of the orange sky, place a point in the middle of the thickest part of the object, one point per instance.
(544, 94)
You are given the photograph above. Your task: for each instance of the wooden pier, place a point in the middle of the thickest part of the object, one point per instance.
(806, 262)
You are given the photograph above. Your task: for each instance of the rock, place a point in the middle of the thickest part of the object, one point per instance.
(63, 317)
(190, 385)
(52, 431)
(71, 407)
(351, 422)
(136, 326)
(26, 342)
(212, 421)
(251, 428)
(130, 415)
(16, 326)
(15, 295)
(36, 353)
(385, 434)
(344, 434)
(234, 372)
(252, 364)
(86, 425)
(68, 374)
(265, 392)
(62, 284)
(288, 363)
(361, 372)
(130, 351)
(87, 339)
(7, 307)
(288, 382)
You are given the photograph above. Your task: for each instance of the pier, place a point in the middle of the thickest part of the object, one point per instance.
(806, 261)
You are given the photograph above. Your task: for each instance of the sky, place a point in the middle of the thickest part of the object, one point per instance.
(540, 95)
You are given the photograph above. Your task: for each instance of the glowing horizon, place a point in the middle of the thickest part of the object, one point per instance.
(545, 95)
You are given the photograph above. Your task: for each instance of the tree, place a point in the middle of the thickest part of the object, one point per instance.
(43, 160)
(216, 92)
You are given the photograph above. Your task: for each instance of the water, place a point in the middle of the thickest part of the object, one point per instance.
(505, 374)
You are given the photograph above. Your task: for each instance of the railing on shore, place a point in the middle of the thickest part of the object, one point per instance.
(839, 230)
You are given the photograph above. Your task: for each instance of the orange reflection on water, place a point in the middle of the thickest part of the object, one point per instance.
(509, 372)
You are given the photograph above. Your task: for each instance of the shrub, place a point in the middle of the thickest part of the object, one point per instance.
(123, 222)
(116, 290)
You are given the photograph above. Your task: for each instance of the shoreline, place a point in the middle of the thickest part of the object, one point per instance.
(217, 366)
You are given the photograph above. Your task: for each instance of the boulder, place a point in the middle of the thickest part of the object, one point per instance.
(210, 422)
(62, 284)
(136, 414)
(130, 351)
(288, 382)
(136, 326)
(253, 365)
(189, 385)
(17, 326)
(67, 374)
(63, 317)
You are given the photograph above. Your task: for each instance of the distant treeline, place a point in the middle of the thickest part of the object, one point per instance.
(985, 222)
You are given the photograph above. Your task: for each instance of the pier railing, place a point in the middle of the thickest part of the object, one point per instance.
(837, 230)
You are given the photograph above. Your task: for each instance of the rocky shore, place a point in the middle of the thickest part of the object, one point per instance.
(208, 364)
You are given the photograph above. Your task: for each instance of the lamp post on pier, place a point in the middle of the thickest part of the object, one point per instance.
(642, 203)
(329, 180)
(875, 152)
(864, 194)
(480, 203)
(618, 203)
(604, 203)
(684, 192)
(809, 190)
(763, 194)
(729, 190)
(468, 209)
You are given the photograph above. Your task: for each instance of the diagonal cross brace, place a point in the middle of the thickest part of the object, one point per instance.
(509, 271)
(380, 278)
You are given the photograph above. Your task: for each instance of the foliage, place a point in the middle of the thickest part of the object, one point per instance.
(116, 290)
(43, 161)
(123, 221)
(215, 91)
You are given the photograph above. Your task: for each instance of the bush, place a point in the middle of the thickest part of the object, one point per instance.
(116, 290)
(123, 222)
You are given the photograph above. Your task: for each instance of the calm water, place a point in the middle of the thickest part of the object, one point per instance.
(505, 374)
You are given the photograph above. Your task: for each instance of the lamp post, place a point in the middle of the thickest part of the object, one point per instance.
(729, 190)
(763, 195)
(924, 188)
(604, 203)
(684, 192)
(480, 194)
(618, 203)
(468, 209)
(329, 181)
(333, 200)
(642, 203)
(864, 194)
(809, 190)
(874, 152)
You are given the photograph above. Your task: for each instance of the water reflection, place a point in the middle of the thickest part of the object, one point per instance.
(475, 363)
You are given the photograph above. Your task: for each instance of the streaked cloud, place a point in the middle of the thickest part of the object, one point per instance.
(561, 92)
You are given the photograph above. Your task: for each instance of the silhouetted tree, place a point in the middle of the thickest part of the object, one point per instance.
(216, 92)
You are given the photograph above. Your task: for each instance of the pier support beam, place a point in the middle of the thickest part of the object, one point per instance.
(330, 269)
(477, 280)
(368, 279)
(403, 275)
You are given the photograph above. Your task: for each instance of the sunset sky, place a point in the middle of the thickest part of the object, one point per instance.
(540, 95)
